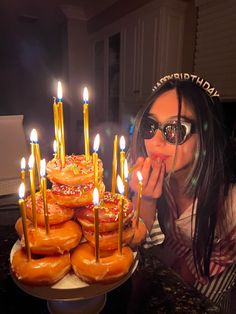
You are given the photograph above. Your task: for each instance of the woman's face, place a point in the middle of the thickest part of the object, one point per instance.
(165, 109)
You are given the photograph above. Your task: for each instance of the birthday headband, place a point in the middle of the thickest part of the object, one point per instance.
(189, 77)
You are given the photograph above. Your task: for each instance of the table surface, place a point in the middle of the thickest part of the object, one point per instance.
(152, 288)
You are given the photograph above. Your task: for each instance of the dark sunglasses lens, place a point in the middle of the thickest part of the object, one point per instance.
(148, 128)
(175, 133)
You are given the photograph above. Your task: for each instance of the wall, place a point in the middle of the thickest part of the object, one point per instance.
(216, 45)
(31, 63)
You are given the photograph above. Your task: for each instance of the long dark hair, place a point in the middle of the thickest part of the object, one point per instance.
(208, 183)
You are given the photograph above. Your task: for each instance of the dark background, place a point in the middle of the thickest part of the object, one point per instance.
(33, 52)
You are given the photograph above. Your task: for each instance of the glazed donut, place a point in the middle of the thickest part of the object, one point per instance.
(40, 271)
(56, 213)
(76, 171)
(111, 267)
(140, 233)
(108, 213)
(19, 226)
(109, 240)
(76, 196)
(60, 239)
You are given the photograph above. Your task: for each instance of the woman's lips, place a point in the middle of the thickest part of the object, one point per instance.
(158, 155)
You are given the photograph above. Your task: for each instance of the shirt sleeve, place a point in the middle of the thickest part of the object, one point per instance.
(155, 236)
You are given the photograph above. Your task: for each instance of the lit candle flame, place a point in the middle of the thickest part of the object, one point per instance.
(126, 170)
(55, 146)
(95, 197)
(85, 95)
(120, 185)
(122, 142)
(42, 167)
(34, 136)
(31, 161)
(96, 143)
(23, 163)
(140, 177)
(22, 190)
(59, 90)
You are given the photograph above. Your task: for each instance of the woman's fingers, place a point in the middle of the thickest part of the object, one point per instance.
(153, 178)
(146, 170)
(159, 183)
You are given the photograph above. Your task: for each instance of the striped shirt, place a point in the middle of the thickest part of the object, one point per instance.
(223, 257)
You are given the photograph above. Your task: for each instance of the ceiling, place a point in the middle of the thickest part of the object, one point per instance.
(34, 8)
(91, 8)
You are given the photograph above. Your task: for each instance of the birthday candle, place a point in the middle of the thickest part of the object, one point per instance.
(86, 124)
(37, 154)
(122, 157)
(33, 138)
(120, 186)
(126, 175)
(140, 187)
(95, 159)
(96, 222)
(22, 165)
(59, 144)
(44, 193)
(61, 124)
(32, 189)
(23, 216)
(114, 165)
(56, 125)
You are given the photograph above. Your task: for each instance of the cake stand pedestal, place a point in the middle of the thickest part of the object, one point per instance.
(70, 295)
(86, 306)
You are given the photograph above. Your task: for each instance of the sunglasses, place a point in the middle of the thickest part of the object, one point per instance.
(174, 132)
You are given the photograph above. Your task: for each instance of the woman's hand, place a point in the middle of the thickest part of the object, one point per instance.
(153, 176)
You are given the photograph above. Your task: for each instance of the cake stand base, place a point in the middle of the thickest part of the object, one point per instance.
(86, 306)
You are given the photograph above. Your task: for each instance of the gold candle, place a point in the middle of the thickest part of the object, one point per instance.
(114, 165)
(59, 145)
(86, 124)
(44, 193)
(140, 188)
(56, 124)
(33, 138)
(37, 158)
(95, 159)
(120, 186)
(32, 189)
(96, 223)
(23, 216)
(122, 157)
(22, 165)
(61, 124)
(126, 175)
(35, 149)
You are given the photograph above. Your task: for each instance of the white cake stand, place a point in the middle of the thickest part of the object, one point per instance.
(71, 295)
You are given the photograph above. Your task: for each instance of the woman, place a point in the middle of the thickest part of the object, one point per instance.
(189, 202)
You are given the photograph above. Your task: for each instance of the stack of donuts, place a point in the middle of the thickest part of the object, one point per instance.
(108, 221)
(50, 251)
(112, 264)
(73, 184)
(70, 218)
